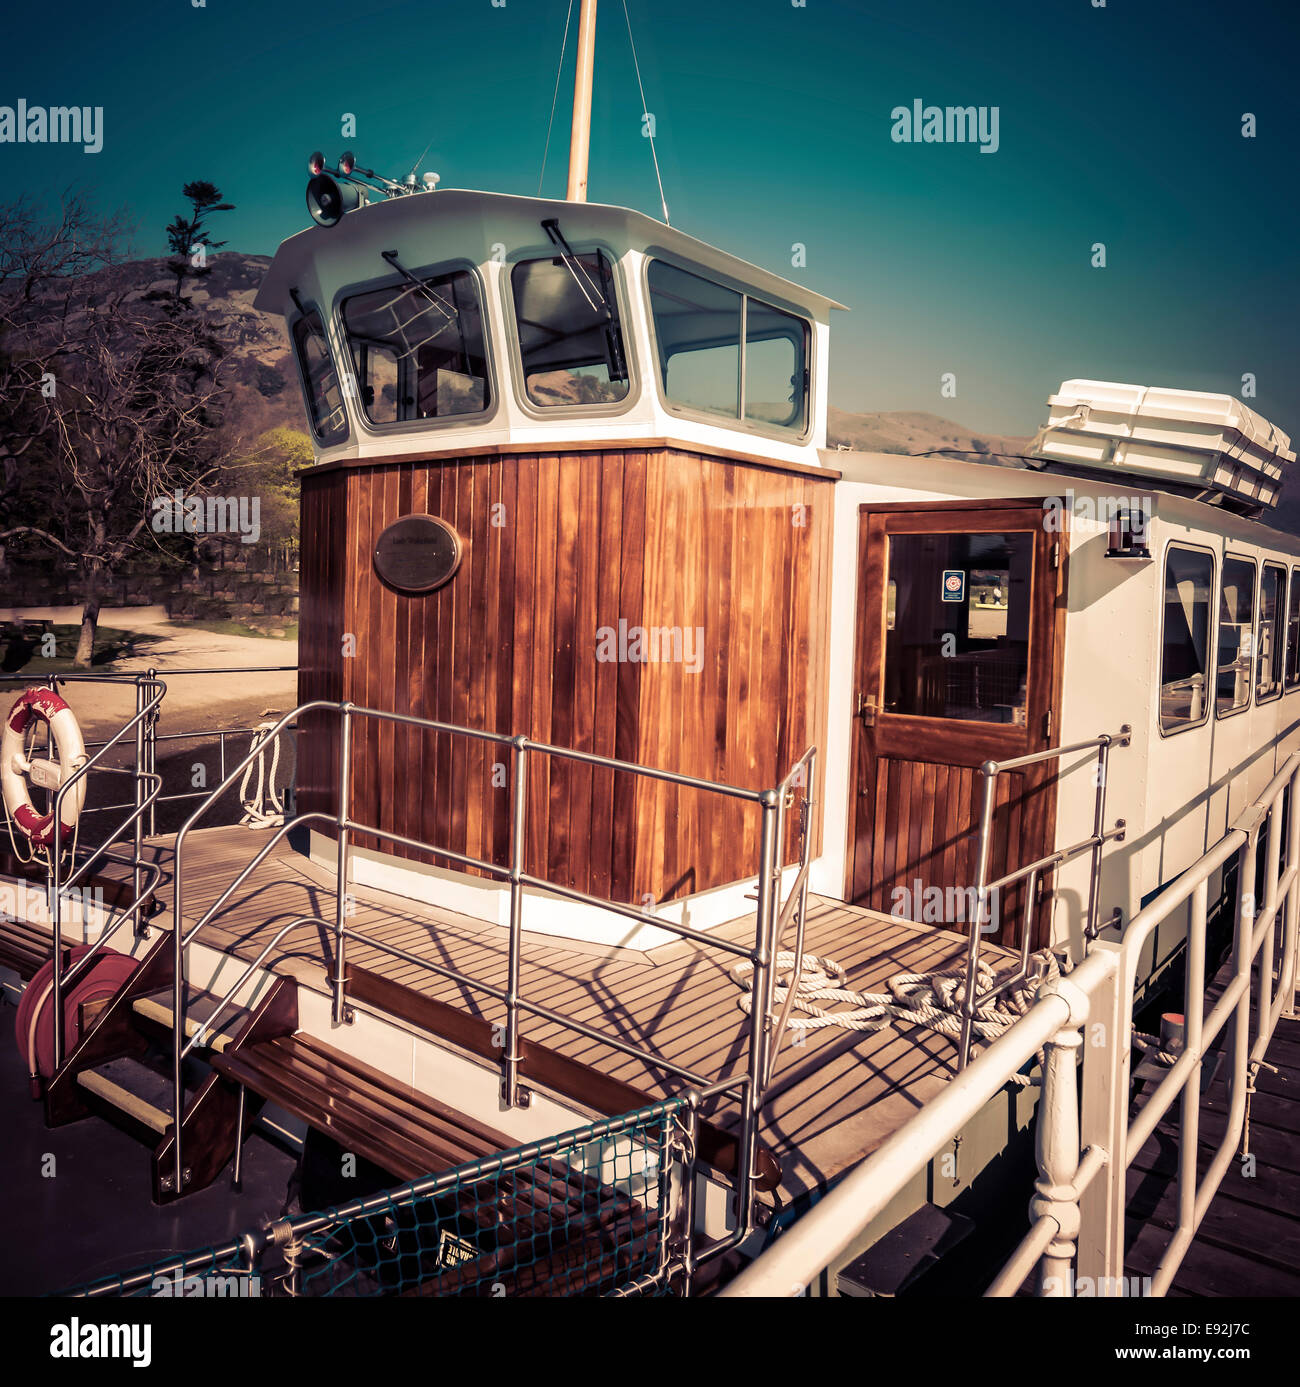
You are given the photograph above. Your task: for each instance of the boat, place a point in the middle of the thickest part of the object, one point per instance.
(715, 864)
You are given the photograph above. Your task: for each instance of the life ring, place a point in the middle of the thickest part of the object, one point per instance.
(14, 765)
(34, 1024)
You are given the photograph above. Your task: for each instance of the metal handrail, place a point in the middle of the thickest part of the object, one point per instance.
(147, 788)
(973, 1000)
(749, 1088)
(1086, 1148)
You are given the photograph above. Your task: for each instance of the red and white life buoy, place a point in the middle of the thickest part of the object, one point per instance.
(15, 767)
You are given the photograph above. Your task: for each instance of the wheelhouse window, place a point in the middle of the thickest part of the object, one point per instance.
(1272, 633)
(1234, 660)
(320, 381)
(957, 628)
(570, 336)
(728, 353)
(1293, 631)
(417, 349)
(1185, 643)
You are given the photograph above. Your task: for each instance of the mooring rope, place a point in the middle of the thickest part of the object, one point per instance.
(255, 813)
(931, 1000)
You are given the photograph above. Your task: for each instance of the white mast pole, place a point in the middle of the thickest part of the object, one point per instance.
(580, 133)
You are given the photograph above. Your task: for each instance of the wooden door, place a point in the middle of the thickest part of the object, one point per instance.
(959, 643)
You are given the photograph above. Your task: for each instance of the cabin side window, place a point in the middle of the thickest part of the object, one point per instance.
(1272, 633)
(320, 381)
(1234, 661)
(1185, 644)
(1293, 632)
(417, 349)
(570, 336)
(727, 353)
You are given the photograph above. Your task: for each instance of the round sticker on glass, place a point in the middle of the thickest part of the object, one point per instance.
(418, 553)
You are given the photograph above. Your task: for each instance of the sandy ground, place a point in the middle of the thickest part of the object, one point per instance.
(194, 701)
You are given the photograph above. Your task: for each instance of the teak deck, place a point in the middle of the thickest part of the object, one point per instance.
(834, 1100)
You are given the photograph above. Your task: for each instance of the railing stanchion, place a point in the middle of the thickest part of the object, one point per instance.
(760, 1016)
(151, 724)
(1104, 1079)
(1290, 962)
(518, 840)
(342, 865)
(178, 1004)
(56, 917)
(1057, 1145)
(137, 836)
(989, 770)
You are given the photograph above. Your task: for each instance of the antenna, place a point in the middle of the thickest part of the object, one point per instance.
(580, 132)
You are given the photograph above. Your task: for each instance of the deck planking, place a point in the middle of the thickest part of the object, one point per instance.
(835, 1098)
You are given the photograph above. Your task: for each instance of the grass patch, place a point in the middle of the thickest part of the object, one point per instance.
(237, 628)
(22, 654)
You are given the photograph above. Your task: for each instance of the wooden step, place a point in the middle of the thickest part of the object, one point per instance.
(131, 1095)
(156, 1010)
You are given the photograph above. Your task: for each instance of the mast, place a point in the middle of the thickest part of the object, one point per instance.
(580, 133)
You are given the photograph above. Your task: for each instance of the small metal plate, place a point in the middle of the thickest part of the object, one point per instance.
(418, 553)
(48, 775)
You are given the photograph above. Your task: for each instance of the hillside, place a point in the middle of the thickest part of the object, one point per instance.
(910, 432)
(258, 362)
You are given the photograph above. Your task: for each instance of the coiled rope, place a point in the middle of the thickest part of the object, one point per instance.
(930, 1000)
(256, 814)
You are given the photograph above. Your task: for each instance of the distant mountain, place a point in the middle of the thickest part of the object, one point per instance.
(912, 432)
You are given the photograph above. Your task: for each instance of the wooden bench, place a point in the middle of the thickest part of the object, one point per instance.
(545, 1204)
(24, 948)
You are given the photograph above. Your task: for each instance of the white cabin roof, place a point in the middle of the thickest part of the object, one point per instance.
(473, 224)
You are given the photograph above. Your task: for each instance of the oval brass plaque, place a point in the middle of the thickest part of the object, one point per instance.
(417, 553)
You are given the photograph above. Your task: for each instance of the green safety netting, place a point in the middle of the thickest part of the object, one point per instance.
(587, 1213)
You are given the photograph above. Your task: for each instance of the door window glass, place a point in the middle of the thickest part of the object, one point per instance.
(958, 645)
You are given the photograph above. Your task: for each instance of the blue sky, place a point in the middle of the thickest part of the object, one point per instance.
(1119, 124)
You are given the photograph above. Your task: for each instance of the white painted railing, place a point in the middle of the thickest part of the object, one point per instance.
(1087, 1131)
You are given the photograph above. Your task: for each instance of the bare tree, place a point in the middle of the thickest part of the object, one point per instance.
(130, 402)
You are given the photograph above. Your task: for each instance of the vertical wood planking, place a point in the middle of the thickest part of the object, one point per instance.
(667, 539)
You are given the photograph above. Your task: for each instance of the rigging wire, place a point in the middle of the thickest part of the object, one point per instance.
(564, 45)
(663, 202)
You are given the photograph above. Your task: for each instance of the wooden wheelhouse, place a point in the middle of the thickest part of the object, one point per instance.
(618, 429)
